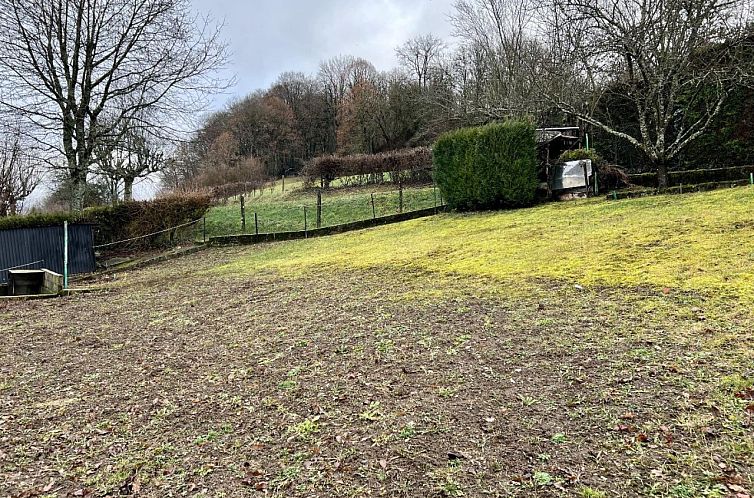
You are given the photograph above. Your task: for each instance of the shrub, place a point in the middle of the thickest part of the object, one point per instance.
(407, 166)
(487, 167)
(139, 219)
(224, 192)
(246, 170)
(611, 177)
(581, 155)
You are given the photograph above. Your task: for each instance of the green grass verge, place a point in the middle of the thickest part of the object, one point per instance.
(701, 243)
(279, 211)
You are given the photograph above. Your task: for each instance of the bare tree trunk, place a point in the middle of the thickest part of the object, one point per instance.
(78, 185)
(662, 174)
(128, 189)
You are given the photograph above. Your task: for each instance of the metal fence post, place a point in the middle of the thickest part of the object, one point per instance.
(596, 182)
(374, 211)
(434, 193)
(204, 229)
(306, 228)
(65, 254)
(283, 183)
(256, 223)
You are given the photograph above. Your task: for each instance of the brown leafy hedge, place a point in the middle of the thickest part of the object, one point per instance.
(406, 166)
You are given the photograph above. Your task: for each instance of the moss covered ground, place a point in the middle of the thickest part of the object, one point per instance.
(700, 243)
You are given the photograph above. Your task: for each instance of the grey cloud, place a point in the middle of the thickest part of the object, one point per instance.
(267, 38)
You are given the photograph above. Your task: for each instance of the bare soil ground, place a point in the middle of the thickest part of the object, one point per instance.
(178, 381)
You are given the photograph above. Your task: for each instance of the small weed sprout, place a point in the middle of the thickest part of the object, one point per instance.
(527, 400)
(288, 384)
(559, 438)
(591, 493)
(542, 479)
(372, 413)
(307, 428)
(408, 431)
(210, 437)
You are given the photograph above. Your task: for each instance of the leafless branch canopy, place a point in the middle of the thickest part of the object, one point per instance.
(81, 69)
(19, 172)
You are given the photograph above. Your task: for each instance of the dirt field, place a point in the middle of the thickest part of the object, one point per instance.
(577, 349)
(181, 380)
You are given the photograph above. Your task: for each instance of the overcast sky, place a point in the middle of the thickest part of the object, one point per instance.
(269, 37)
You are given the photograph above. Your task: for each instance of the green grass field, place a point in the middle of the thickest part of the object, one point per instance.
(702, 243)
(583, 349)
(279, 211)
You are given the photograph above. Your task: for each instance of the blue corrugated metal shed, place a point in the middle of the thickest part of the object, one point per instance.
(35, 248)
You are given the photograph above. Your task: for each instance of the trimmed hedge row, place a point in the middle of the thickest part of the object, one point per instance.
(684, 189)
(224, 192)
(694, 176)
(487, 167)
(127, 220)
(40, 220)
(409, 165)
(139, 219)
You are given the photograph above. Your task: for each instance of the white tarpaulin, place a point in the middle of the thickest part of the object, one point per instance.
(571, 174)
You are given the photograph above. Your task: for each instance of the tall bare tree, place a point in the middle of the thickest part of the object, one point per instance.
(503, 55)
(420, 55)
(19, 173)
(674, 62)
(68, 64)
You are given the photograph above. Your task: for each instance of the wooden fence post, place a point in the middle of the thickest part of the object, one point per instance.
(319, 209)
(243, 214)
(400, 195)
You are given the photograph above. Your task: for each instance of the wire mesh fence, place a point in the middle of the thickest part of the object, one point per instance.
(168, 238)
(257, 214)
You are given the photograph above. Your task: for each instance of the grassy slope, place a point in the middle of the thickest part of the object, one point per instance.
(356, 365)
(701, 243)
(280, 211)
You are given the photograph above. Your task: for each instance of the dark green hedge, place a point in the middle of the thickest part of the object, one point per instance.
(125, 221)
(695, 176)
(487, 167)
(39, 220)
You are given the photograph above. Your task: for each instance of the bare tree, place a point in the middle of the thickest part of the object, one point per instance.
(502, 53)
(182, 170)
(420, 55)
(135, 155)
(674, 62)
(19, 174)
(68, 64)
